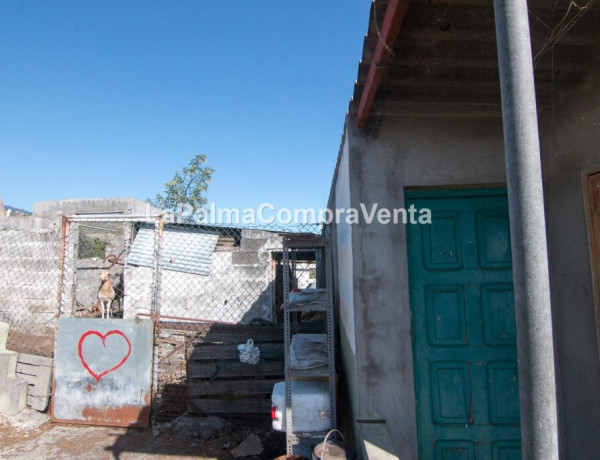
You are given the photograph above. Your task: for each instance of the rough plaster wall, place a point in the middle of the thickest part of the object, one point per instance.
(127, 206)
(345, 291)
(575, 146)
(403, 152)
(238, 288)
(48, 213)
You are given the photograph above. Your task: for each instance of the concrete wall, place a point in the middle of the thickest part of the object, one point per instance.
(29, 278)
(573, 145)
(47, 214)
(344, 292)
(238, 289)
(120, 206)
(403, 152)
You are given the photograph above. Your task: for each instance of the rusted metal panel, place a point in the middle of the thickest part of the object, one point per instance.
(102, 372)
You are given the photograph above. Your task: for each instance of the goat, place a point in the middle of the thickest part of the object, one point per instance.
(106, 293)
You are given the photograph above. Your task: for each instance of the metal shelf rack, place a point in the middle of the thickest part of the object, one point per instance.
(292, 245)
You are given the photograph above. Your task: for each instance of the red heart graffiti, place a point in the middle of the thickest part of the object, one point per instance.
(103, 337)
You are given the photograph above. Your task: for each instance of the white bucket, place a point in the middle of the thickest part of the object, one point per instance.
(329, 449)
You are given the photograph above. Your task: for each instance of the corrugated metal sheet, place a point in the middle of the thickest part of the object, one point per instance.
(185, 249)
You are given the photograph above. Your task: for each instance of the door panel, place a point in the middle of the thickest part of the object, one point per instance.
(451, 399)
(446, 315)
(463, 325)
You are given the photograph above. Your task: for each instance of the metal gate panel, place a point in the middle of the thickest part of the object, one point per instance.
(103, 372)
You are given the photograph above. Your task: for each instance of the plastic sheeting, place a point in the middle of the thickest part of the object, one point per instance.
(308, 351)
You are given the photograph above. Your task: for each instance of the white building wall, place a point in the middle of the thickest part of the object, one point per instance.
(344, 252)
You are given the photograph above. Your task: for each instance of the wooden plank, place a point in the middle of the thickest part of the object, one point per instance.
(199, 369)
(232, 336)
(235, 406)
(32, 369)
(210, 351)
(228, 388)
(240, 334)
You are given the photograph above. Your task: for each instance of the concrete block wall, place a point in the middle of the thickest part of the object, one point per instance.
(13, 390)
(29, 288)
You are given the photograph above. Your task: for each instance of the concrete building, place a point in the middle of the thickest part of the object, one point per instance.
(427, 313)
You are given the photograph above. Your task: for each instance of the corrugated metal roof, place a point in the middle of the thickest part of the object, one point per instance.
(185, 249)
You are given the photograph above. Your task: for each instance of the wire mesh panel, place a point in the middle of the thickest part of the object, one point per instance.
(29, 288)
(217, 274)
(97, 272)
(99, 246)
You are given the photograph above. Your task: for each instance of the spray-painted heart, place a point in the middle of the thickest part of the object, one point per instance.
(86, 365)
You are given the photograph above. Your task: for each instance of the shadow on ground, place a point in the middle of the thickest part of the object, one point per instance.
(31, 434)
(164, 443)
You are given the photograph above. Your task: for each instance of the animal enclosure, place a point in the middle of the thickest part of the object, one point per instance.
(185, 277)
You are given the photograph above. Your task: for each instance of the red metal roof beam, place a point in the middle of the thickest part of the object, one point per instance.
(390, 29)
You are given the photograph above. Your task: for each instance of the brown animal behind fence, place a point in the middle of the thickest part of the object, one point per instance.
(106, 293)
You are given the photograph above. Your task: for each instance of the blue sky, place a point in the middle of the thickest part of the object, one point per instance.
(111, 98)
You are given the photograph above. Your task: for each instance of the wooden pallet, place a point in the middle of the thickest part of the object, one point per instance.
(218, 383)
(37, 372)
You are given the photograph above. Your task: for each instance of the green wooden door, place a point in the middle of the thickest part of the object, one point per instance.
(463, 326)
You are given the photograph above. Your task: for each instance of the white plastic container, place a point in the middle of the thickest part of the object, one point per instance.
(310, 406)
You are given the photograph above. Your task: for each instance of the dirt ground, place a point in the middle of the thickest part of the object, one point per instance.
(31, 434)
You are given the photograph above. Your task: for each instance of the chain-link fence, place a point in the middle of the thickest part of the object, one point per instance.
(219, 287)
(209, 288)
(29, 287)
